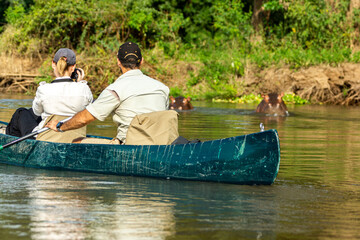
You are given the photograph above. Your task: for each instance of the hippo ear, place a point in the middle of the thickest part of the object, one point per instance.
(172, 99)
(280, 96)
(266, 98)
(185, 100)
(188, 98)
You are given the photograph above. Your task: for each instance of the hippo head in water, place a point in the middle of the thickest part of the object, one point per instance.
(180, 103)
(272, 104)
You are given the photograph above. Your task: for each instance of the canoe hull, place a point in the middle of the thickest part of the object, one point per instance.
(248, 159)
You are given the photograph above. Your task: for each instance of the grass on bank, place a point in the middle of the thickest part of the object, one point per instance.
(290, 98)
(220, 73)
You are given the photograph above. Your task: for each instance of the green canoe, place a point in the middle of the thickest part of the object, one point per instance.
(248, 159)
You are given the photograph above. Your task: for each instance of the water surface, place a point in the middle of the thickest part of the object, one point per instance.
(315, 196)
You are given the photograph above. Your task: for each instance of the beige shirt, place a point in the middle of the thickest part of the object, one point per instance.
(133, 93)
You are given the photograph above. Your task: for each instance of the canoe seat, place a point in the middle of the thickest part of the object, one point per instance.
(62, 137)
(155, 128)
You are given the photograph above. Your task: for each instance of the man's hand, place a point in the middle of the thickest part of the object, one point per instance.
(77, 121)
(52, 125)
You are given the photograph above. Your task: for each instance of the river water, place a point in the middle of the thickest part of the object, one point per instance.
(315, 196)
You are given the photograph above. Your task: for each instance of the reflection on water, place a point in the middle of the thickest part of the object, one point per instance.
(63, 210)
(316, 194)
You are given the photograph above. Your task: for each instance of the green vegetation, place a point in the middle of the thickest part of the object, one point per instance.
(293, 99)
(252, 98)
(216, 41)
(15, 5)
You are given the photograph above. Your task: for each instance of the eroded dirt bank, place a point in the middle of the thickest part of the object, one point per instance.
(18, 74)
(319, 84)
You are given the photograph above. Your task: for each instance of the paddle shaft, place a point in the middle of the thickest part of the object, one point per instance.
(29, 135)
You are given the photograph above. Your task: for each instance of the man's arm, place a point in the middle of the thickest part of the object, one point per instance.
(100, 109)
(79, 120)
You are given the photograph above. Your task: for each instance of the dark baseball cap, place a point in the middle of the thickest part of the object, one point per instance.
(65, 52)
(129, 52)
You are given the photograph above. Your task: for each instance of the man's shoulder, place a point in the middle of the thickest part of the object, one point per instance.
(133, 76)
(144, 77)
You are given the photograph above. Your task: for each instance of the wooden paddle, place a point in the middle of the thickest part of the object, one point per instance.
(29, 135)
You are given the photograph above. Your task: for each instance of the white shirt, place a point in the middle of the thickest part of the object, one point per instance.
(131, 94)
(61, 97)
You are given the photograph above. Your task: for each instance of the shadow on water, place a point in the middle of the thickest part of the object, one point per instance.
(316, 194)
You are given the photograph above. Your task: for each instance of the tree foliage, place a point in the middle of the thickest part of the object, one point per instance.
(84, 23)
(21, 5)
(217, 33)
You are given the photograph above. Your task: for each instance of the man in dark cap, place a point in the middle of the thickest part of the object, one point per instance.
(133, 93)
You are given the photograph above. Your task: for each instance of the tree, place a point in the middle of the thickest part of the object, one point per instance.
(257, 17)
(353, 16)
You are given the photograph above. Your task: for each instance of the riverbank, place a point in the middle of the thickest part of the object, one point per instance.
(322, 84)
(217, 50)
